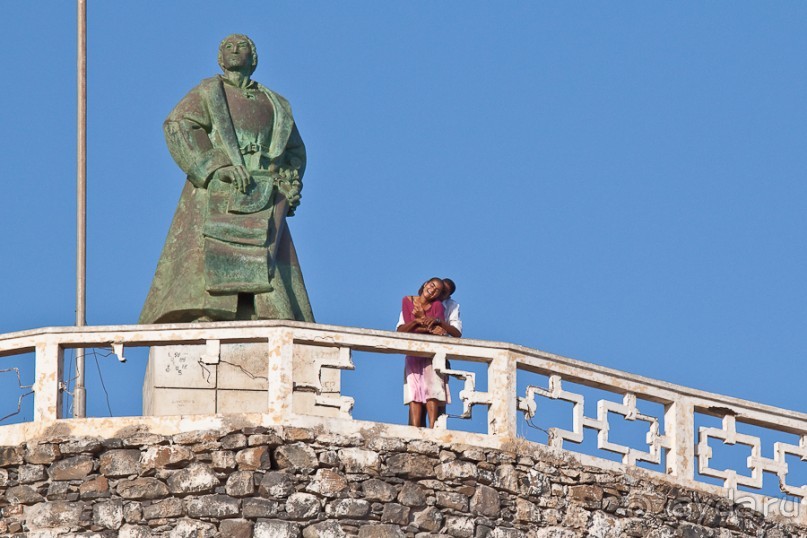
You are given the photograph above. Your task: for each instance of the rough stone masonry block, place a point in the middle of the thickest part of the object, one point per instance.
(142, 489)
(108, 514)
(117, 463)
(94, 488)
(188, 528)
(324, 529)
(79, 445)
(277, 484)
(59, 514)
(349, 508)
(302, 506)
(134, 531)
(28, 474)
(257, 457)
(378, 490)
(75, 468)
(42, 454)
(412, 495)
(462, 527)
(22, 495)
(430, 519)
(411, 465)
(240, 484)
(236, 528)
(298, 456)
(328, 483)
(158, 457)
(10, 456)
(212, 506)
(395, 513)
(170, 507)
(196, 478)
(381, 531)
(259, 508)
(359, 460)
(485, 501)
(276, 529)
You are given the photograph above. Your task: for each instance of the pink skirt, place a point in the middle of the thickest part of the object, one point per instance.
(422, 383)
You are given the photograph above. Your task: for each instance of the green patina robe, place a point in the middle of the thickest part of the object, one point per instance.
(212, 252)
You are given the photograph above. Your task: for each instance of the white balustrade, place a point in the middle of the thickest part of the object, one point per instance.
(677, 444)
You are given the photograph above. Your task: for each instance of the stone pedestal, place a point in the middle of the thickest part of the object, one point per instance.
(232, 378)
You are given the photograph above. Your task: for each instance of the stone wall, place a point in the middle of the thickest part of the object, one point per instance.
(292, 482)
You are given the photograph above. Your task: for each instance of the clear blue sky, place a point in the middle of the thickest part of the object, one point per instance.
(622, 183)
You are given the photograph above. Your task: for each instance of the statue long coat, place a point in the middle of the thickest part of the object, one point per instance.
(181, 289)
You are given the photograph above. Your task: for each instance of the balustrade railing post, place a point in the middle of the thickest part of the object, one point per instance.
(48, 371)
(679, 427)
(280, 374)
(502, 388)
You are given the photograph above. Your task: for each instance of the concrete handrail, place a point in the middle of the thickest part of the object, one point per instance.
(680, 442)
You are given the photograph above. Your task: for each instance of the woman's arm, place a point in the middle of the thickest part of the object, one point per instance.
(410, 327)
(438, 324)
(440, 318)
(450, 329)
(412, 324)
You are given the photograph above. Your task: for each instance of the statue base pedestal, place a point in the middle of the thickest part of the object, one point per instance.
(190, 380)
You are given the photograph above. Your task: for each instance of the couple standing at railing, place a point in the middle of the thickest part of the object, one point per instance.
(431, 311)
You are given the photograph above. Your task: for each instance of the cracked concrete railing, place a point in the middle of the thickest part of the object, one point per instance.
(672, 435)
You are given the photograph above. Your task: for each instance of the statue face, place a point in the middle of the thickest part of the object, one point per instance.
(236, 54)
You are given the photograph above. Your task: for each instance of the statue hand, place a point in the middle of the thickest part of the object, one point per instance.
(235, 174)
(289, 184)
(289, 175)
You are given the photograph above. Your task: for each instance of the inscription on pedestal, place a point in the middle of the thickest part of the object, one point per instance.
(181, 366)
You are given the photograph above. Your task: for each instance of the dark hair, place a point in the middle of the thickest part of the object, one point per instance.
(420, 290)
(450, 284)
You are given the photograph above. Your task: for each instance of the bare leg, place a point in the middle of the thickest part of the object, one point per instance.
(432, 407)
(416, 414)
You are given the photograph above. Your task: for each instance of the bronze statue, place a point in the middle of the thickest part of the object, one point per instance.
(228, 254)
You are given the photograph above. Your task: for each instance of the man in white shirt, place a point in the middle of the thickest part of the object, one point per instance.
(451, 307)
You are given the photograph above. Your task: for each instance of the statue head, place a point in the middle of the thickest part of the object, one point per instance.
(237, 42)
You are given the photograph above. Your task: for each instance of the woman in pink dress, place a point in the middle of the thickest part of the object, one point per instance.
(424, 390)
